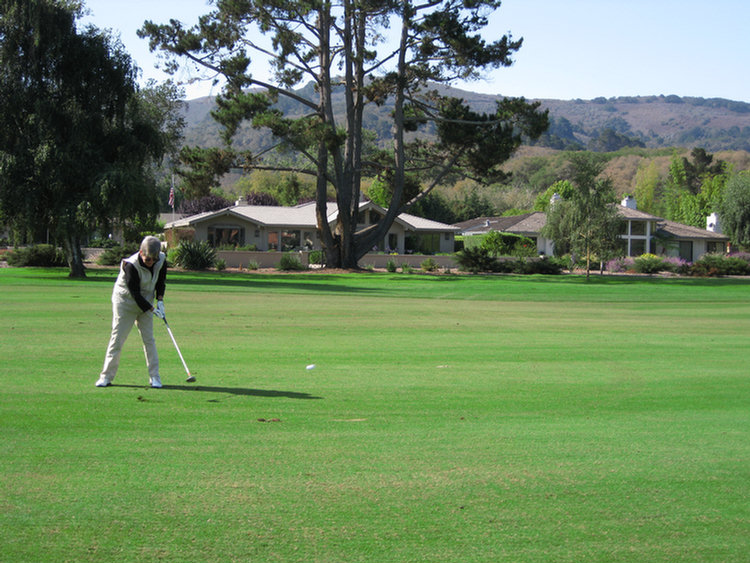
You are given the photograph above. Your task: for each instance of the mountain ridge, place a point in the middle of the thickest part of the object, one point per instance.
(601, 124)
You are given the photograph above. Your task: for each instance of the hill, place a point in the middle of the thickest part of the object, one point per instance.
(601, 124)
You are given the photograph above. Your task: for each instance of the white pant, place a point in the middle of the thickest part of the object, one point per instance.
(125, 313)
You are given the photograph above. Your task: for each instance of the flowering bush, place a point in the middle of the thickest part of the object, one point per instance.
(648, 264)
(676, 264)
(620, 265)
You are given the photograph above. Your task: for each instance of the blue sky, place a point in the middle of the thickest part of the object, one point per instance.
(572, 48)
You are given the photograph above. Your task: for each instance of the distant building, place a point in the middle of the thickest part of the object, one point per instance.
(295, 228)
(642, 233)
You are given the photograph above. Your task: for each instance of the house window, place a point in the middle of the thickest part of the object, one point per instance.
(686, 250)
(392, 241)
(637, 247)
(423, 243)
(290, 240)
(713, 247)
(637, 228)
(307, 240)
(226, 236)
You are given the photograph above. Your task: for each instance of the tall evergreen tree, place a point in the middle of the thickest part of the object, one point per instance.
(341, 46)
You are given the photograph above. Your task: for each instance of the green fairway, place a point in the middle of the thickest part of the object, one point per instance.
(448, 419)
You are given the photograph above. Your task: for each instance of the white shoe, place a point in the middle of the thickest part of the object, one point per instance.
(102, 382)
(156, 382)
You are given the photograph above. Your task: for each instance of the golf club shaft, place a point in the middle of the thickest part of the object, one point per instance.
(176, 347)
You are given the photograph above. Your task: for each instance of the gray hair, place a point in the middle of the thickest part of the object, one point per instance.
(151, 247)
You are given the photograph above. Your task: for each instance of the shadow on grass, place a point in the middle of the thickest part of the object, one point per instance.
(375, 284)
(228, 390)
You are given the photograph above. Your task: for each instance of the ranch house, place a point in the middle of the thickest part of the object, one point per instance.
(642, 233)
(295, 228)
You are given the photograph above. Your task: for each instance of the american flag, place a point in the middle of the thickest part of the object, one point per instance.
(171, 196)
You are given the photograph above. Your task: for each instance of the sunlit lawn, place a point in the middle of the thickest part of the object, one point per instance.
(448, 419)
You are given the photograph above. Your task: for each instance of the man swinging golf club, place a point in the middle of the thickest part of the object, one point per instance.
(142, 276)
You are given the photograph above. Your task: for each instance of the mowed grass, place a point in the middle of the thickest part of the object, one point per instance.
(448, 419)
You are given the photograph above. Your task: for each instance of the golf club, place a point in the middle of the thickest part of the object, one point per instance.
(190, 378)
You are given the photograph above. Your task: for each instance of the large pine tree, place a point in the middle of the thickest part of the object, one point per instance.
(376, 51)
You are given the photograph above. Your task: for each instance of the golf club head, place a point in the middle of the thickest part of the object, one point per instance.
(190, 379)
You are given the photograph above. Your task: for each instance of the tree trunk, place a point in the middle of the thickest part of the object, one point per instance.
(75, 256)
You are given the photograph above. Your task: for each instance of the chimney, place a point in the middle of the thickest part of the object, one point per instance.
(629, 202)
(712, 223)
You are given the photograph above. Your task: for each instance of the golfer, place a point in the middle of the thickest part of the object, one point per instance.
(142, 276)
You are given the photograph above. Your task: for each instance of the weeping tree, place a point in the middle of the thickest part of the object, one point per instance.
(398, 53)
(79, 139)
(586, 222)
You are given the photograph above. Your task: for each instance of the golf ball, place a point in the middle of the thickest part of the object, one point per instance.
(311, 366)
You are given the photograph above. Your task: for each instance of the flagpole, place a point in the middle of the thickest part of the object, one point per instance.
(171, 197)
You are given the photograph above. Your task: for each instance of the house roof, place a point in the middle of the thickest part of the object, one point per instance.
(680, 231)
(635, 214)
(530, 224)
(301, 216)
(482, 225)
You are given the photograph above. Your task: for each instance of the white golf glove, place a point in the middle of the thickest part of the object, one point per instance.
(159, 309)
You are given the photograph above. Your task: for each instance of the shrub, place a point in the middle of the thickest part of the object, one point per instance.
(676, 265)
(721, 265)
(99, 242)
(391, 266)
(113, 256)
(547, 266)
(508, 244)
(429, 265)
(220, 264)
(290, 263)
(193, 255)
(406, 269)
(648, 264)
(477, 259)
(620, 265)
(172, 256)
(39, 255)
(315, 257)
(252, 265)
(237, 247)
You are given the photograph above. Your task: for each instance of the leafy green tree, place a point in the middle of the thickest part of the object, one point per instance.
(702, 166)
(381, 189)
(211, 202)
(473, 205)
(587, 224)
(563, 188)
(78, 139)
(647, 187)
(340, 45)
(609, 140)
(694, 189)
(436, 207)
(202, 169)
(734, 209)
